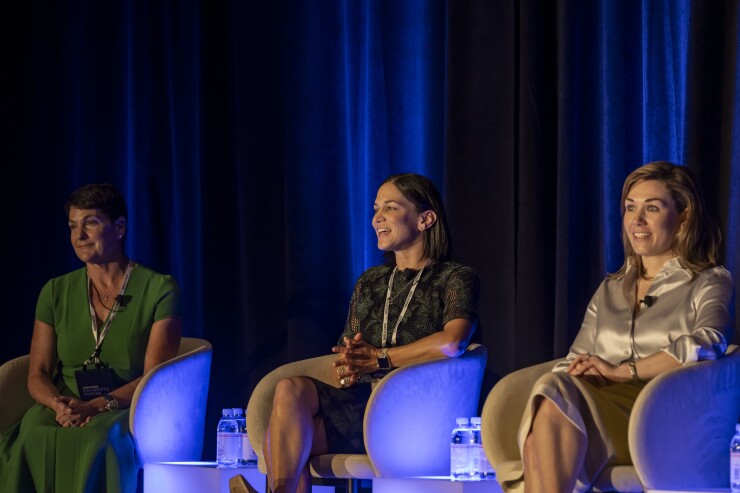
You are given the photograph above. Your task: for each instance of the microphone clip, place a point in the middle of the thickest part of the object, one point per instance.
(649, 301)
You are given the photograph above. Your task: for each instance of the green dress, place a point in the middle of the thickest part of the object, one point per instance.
(36, 454)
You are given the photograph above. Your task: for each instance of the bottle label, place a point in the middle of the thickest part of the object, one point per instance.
(228, 447)
(735, 468)
(459, 456)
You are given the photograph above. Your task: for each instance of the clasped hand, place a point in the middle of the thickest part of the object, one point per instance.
(593, 368)
(72, 412)
(354, 359)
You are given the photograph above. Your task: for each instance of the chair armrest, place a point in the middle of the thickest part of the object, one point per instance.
(682, 423)
(259, 407)
(168, 410)
(503, 410)
(411, 413)
(14, 391)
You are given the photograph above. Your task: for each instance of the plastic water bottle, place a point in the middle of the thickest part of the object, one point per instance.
(250, 456)
(475, 468)
(735, 461)
(228, 441)
(460, 451)
(247, 458)
(482, 468)
(241, 429)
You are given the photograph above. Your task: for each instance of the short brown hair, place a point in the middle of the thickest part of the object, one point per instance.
(101, 196)
(697, 242)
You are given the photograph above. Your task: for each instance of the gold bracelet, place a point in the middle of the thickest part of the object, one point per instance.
(633, 371)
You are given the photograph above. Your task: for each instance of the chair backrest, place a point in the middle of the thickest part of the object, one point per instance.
(14, 391)
(167, 416)
(412, 411)
(682, 423)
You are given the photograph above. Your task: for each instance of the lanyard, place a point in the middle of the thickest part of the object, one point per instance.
(100, 336)
(403, 311)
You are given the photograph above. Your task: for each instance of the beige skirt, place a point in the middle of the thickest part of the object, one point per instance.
(600, 412)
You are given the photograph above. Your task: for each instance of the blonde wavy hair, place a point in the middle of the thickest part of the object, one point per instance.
(697, 240)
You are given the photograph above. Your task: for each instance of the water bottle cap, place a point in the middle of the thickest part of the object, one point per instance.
(461, 421)
(237, 410)
(475, 420)
(228, 412)
(737, 427)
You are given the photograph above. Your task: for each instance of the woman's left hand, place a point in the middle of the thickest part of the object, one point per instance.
(355, 358)
(79, 412)
(587, 365)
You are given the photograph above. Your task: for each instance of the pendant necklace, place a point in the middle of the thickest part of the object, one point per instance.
(413, 283)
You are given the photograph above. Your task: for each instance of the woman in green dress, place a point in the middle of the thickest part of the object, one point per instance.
(98, 329)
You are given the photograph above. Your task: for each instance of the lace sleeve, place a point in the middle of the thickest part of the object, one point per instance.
(461, 295)
(352, 325)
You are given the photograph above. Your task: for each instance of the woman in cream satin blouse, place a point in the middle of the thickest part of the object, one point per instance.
(667, 306)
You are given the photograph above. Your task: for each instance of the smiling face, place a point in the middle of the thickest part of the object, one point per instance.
(397, 223)
(651, 221)
(94, 238)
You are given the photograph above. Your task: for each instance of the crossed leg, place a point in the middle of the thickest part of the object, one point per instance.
(554, 451)
(294, 433)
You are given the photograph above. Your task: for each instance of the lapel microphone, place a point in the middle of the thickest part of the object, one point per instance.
(649, 301)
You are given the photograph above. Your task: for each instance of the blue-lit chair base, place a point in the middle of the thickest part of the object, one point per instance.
(168, 410)
(407, 423)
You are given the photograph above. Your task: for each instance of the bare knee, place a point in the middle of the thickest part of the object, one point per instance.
(547, 423)
(547, 412)
(295, 394)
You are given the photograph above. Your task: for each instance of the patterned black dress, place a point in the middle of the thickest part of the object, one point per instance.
(445, 291)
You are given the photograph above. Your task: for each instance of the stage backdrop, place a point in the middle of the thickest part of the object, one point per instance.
(249, 138)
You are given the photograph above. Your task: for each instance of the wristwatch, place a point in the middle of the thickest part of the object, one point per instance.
(111, 403)
(384, 362)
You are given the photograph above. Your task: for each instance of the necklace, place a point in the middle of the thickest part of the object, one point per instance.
(99, 335)
(104, 298)
(412, 281)
(403, 310)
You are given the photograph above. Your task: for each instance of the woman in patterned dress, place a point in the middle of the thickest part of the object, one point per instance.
(416, 307)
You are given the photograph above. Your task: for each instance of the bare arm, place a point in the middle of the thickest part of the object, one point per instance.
(362, 358)
(164, 341)
(42, 365)
(450, 342)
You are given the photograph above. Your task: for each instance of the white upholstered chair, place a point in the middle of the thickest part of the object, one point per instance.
(161, 428)
(679, 430)
(408, 419)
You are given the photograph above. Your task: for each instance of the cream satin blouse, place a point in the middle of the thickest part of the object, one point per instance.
(688, 319)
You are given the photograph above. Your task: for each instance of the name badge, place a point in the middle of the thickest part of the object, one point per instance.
(94, 382)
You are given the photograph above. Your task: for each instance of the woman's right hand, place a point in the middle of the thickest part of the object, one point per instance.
(354, 359)
(63, 412)
(596, 369)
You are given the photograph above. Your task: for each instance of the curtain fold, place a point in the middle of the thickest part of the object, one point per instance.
(250, 137)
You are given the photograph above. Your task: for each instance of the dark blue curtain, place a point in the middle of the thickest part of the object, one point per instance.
(250, 137)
